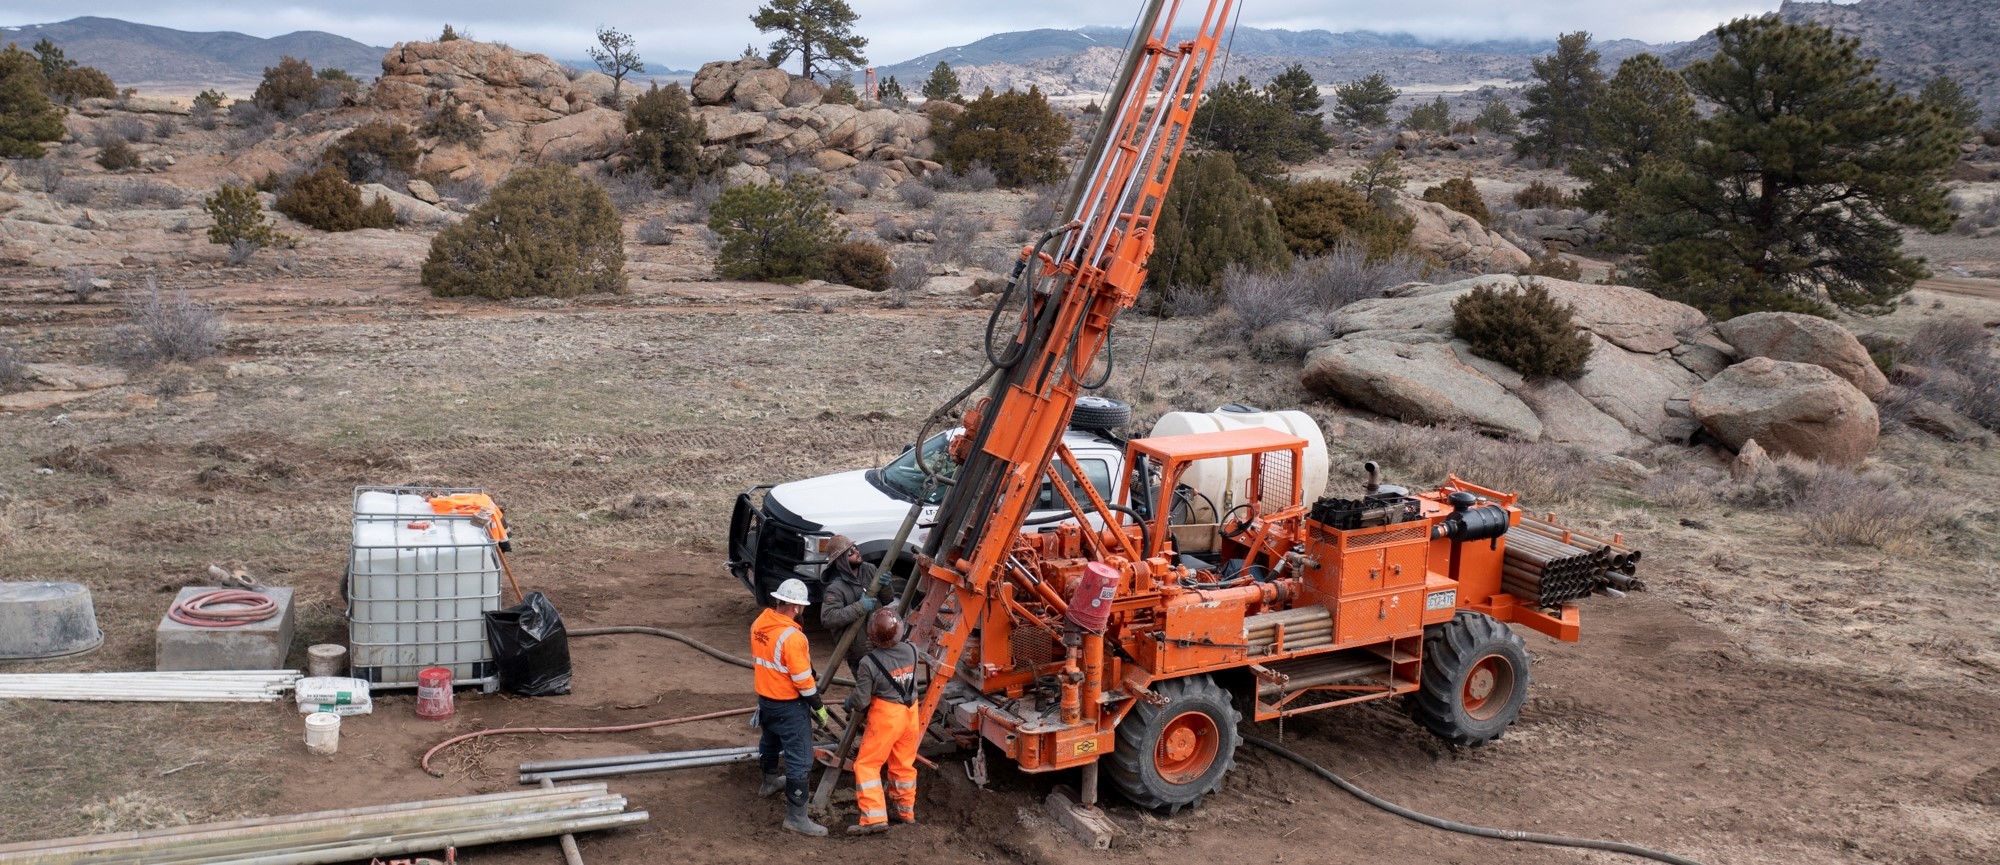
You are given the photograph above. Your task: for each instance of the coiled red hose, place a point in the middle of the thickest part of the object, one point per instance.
(202, 611)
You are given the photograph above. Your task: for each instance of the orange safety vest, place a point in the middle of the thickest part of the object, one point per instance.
(473, 504)
(784, 663)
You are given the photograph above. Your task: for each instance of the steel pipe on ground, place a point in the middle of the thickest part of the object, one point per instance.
(618, 759)
(637, 768)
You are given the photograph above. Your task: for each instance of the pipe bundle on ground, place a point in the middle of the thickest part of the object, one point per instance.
(1548, 564)
(345, 836)
(210, 686)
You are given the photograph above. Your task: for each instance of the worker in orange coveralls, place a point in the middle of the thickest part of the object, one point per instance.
(885, 686)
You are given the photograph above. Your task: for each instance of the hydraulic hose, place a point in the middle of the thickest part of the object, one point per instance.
(243, 607)
(425, 763)
(693, 643)
(1467, 828)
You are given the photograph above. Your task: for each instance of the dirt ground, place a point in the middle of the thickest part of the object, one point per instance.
(1770, 700)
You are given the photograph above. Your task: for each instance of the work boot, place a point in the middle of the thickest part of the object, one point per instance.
(867, 828)
(773, 784)
(898, 818)
(796, 818)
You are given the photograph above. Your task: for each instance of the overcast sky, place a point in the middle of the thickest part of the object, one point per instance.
(686, 33)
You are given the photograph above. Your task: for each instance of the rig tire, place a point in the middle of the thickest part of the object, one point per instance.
(1475, 680)
(1171, 755)
(1097, 412)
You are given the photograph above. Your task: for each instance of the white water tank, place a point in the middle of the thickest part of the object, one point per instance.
(1225, 480)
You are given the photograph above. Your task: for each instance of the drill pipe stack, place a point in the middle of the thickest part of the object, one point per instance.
(1548, 564)
(1305, 628)
(1623, 559)
(1547, 571)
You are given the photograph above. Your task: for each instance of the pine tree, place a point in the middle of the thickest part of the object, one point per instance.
(1795, 195)
(890, 93)
(1497, 118)
(1293, 90)
(1558, 113)
(1364, 102)
(26, 117)
(820, 32)
(52, 59)
(1950, 99)
(617, 55)
(1434, 116)
(1645, 115)
(943, 84)
(1211, 218)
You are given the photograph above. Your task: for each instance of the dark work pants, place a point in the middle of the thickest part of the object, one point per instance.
(787, 733)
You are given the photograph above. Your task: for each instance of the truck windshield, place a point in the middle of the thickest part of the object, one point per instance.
(903, 475)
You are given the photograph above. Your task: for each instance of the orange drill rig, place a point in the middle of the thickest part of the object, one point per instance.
(1136, 636)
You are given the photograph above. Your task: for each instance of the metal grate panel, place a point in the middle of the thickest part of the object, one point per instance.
(1415, 532)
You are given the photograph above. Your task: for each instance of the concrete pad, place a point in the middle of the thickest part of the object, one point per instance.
(254, 646)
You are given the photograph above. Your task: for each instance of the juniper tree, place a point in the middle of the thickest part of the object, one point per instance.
(1211, 218)
(26, 117)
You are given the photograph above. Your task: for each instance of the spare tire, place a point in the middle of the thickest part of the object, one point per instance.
(1097, 412)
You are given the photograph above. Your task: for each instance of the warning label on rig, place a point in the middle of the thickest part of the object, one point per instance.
(1444, 600)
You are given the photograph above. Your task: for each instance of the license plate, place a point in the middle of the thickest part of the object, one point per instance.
(1444, 600)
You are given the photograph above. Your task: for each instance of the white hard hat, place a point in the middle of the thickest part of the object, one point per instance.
(792, 592)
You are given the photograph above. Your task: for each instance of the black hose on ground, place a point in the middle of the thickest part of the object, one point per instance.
(1466, 828)
(693, 643)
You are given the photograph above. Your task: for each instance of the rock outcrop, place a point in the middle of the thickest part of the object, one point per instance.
(1395, 355)
(1554, 230)
(1459, 240)
(1805, 339)
(1789, 408)
(764, 114)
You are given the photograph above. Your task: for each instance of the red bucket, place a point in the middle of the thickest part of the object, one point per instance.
(434, 693)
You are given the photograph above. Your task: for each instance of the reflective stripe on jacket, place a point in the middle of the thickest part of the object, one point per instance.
(784, 662)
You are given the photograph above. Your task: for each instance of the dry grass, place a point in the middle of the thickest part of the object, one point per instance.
(163, 329)
(1544, 475)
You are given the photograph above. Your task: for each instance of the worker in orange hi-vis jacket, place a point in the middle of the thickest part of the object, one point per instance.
(788, 702)
(885, 686)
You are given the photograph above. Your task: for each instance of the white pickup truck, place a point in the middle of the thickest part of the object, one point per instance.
(779, 531)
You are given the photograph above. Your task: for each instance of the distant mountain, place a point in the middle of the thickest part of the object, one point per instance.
(141, 55)
(1915, 40)
(1085, 60)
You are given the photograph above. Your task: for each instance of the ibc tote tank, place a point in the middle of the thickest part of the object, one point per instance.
(1225, 480)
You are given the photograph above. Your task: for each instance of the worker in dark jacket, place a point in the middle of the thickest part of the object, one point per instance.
(885, 688)
(845, 599)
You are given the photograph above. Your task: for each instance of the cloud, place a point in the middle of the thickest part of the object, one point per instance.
(684, 35)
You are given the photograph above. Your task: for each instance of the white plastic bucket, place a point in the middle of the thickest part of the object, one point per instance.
(326, 659)
(322, 733)
(1226, 480)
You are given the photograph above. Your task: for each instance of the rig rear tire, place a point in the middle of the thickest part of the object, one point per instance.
(1171, 755)
(1475, 680)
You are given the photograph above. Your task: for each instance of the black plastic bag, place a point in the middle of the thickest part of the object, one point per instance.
(530, 647)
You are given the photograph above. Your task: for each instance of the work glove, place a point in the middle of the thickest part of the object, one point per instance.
(868, 605)
(822, 717)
